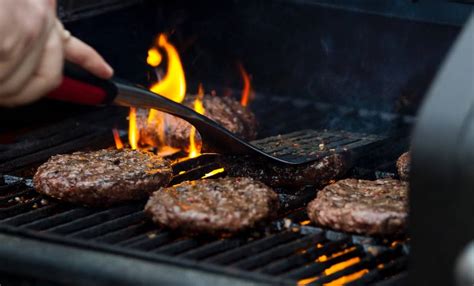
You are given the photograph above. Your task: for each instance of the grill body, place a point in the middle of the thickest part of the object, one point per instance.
(350, 76)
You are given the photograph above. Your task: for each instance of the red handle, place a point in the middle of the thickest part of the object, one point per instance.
(78, 92)
(80, 86)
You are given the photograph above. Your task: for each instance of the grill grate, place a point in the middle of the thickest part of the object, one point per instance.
(288, 251)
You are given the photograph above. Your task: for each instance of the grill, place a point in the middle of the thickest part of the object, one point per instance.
(289, 250)
(330, 77)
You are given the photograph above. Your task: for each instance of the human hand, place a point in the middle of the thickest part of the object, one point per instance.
(33, 46)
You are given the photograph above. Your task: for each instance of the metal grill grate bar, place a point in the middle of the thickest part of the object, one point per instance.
(92, 220)
(19, 208)
(302, 258)
(316, 268)
(7, 200)
(213, 248)
(387, 270)
(253, 248)
(58, 219)
(180, 246)
(278, 252)
(98, 139)
(39, 213)
(150, 240)
(109, 226)
(123, 234)
(367, 262)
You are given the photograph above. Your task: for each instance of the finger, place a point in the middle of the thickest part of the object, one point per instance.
(26, 67)
(48, 75)
(14, 47)
(85, 56)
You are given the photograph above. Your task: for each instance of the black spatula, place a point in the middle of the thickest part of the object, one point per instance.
(79, 86)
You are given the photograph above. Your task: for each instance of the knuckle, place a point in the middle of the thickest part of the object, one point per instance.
(32, 32)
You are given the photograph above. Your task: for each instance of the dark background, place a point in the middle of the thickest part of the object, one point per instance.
(327, 54)
(329, 62)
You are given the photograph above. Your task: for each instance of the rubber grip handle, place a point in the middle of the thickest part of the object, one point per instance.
(80, 86)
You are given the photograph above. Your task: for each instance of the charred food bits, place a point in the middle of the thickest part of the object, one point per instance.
(377, 207)
(102, 178)
(214, 206)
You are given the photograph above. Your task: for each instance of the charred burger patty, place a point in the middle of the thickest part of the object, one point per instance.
(226, 111)
(225, 205)
(102, 178)
(361, 206)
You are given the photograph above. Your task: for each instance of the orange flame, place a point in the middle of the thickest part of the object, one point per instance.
(173, 84)
(133, 134)
(347, 278)
(337, 267)
(324, 258)
(154, 57)
(247, 91)
(195, 149)
(118, 141)
(213, 172)
(341, 265)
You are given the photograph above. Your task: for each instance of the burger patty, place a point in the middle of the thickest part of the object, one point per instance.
(403, 166)
(102, 178)
(377, 207)
(318, 173)
(226, 111)
(213, 206)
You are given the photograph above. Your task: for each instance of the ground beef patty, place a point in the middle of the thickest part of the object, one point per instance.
(102, 178)
(214, 206)
(368, 207)
(318, 173)
(224, 110)
(403, 166)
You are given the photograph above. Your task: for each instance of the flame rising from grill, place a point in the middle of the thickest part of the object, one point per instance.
(341, 265)
(247, 92)
(133, 134)
(173, 84)
(154, 57)
(213, 172)
(194, 148)
(118, 141)
(347, 278)
(336, 268)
